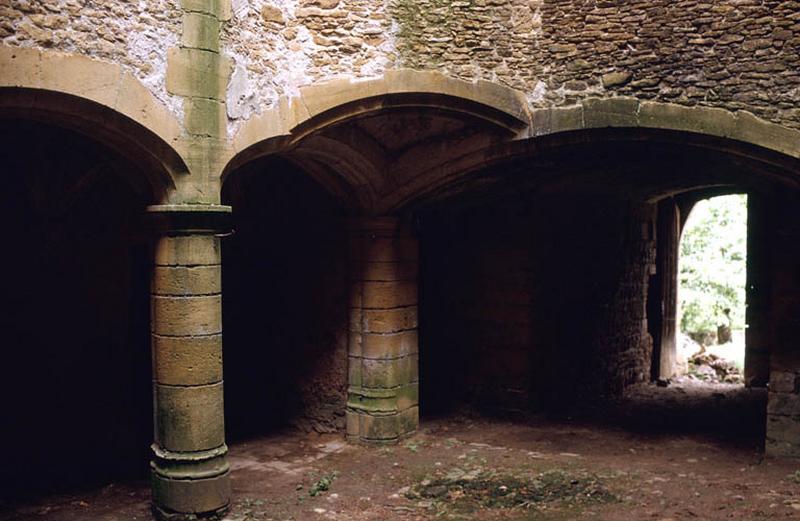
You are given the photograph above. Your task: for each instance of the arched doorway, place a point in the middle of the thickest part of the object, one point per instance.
(538, 273)
(285, 302)
(78, 391)
(84, 160)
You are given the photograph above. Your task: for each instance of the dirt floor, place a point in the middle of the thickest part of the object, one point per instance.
(688, 451)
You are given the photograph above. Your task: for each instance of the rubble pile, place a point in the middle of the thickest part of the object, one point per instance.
(711, 368)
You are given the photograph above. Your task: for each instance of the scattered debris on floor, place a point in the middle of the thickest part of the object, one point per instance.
(249, 509)
(467, 492)
(686, 451)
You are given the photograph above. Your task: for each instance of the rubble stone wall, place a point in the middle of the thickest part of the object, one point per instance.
(736, 54)
(741, 54)
(136, 35)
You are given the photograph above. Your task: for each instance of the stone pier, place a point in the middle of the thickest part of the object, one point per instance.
(189, 467)
(382, 404)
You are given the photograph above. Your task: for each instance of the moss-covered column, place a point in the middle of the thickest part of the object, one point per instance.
(198, 72)
(189, 468)
(382, 403)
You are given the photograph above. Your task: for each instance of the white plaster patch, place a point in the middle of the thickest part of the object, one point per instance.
(537, 18)
(134, 34)
(377, 66)
(538, 92)
(149, 45)
(240, 95)
(276, 60)
(240, 8)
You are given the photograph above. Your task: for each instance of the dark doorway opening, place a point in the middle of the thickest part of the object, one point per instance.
(76, 393)
(285, 302)
(540, 288)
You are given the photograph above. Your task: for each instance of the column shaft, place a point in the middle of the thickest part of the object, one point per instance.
(189, 468)
(383, 395)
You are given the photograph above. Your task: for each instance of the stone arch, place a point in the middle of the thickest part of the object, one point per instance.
(293, 122)
(738, 133)
(98, 99)
(521, 130)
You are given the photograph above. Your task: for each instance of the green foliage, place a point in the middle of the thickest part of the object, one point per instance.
(323, 484)
(713, 262)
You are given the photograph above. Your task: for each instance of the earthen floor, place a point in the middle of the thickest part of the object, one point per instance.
(684, 452)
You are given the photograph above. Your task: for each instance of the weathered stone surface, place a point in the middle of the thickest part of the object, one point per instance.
(194, 250)
(271, 13)
(387, 373)
(555, 53)
(384, 249)
(205, 117)
(384, 295)
(375, 401)
(187, 360)
(393, 345)
(784, 382)
(200, 31)
(135, 36)
(387, 320)
(383, 340)
(389, 428)
(385, 271)
(557, 120)
(783, 433)
(615, 112)
(712, 121)
(187, 316)
(218, 8)
(197, 72)
(614, 79)
(191, 495)
(784, 404)
(189, 418)
(187, 280)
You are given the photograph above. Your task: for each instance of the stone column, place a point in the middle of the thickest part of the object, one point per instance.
(383, 394)
(189, 468)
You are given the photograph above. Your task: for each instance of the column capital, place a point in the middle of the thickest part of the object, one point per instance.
(182, 219)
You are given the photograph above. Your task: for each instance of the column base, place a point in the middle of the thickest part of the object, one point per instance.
(381, 429)
(189, 486)
(190, 499)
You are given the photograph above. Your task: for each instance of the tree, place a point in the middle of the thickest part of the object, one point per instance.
(713, 265)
